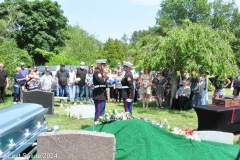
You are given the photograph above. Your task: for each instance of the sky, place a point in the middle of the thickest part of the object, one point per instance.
(112, 18)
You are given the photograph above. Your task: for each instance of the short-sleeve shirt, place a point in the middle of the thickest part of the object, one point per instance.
(47, 81)
(24, 72)
(62, 77)
(3, 76)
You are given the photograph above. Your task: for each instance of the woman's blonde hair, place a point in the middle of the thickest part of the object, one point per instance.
(18, 69)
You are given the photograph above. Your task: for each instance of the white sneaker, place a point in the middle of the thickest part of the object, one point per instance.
(75, 104)
(81, 103)
(14, 102)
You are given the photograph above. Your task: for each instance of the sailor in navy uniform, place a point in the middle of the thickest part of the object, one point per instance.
(99, 92)
(127, 87)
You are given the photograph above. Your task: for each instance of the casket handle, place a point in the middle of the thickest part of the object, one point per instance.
(11, 144)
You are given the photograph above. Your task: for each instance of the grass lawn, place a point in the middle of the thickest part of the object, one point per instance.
(186, 119)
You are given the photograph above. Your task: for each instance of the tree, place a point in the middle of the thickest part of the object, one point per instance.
(42, 25)
(174, 12)
(12, 56)
(113, 52)
(216, 14)
(81, 46)
(189, 47)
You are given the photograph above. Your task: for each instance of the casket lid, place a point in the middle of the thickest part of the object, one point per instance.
(13, 116)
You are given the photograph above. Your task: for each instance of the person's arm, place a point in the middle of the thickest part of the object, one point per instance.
(166, 81)
(68, 79)
(56, 79)
(177, 93)
(228, 82)
(232, 83)
(7, 83)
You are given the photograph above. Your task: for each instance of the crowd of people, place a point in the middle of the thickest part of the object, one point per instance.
(78, 83)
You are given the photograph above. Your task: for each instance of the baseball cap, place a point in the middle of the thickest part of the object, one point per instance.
(62, 64)
(21, 63)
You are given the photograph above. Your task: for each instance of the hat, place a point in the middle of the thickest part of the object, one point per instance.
(1, 65)
(62, 64)
(82, 63)
(101, 61)
(21, 63)
(92, 65)
(46, 66)
(127, 64)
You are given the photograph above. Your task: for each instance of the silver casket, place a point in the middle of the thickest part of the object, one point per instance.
(19, 127)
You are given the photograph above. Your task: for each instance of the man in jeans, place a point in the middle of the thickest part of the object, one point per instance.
(63, 81)
(80, 79)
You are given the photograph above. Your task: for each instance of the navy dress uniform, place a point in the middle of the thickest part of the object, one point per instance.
(99, 91)
(127, 87)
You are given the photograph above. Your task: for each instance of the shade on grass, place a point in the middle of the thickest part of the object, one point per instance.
(137, 139)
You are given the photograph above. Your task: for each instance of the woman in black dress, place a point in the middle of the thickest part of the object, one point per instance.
(158, 84)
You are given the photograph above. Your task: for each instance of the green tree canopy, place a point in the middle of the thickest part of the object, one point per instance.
(12, 56)
(81, 46)
(188, 47)
(113, 52)
(174, 12)
(41, 25)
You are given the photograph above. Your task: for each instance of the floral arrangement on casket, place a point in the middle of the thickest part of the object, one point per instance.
(116, 116)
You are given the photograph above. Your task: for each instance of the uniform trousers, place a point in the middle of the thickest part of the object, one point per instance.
(99, 108)
(127, 105)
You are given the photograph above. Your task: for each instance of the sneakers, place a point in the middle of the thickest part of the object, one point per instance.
(14, 102)
(74, 103)
(81, 103)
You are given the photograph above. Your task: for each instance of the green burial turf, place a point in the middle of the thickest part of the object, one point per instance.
(137, 139)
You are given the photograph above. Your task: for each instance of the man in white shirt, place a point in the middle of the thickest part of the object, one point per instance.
(46, 81)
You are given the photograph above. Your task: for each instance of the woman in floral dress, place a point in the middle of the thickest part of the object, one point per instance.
(145, 87)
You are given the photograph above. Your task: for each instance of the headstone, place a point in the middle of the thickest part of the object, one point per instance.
(46, 99)
(84, 111)
(215, 136)
(76, 145)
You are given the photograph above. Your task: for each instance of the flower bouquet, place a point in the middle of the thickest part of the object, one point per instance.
(189, 134)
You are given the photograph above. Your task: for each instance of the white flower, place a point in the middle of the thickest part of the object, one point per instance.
(165, 120)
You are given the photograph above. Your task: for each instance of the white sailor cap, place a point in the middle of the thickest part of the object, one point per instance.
(101, 61)
(127, 64)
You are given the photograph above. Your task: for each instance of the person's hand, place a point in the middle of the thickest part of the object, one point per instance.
(68, 84)
(176, 97)
(183, 95)
(58, 86)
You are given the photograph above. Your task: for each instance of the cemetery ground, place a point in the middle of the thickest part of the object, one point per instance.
(186, 119)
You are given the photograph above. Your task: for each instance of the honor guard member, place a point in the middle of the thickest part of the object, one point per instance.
(99, 91)
(127, 87)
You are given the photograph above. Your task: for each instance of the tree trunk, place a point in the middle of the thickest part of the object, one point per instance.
(174, 86)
